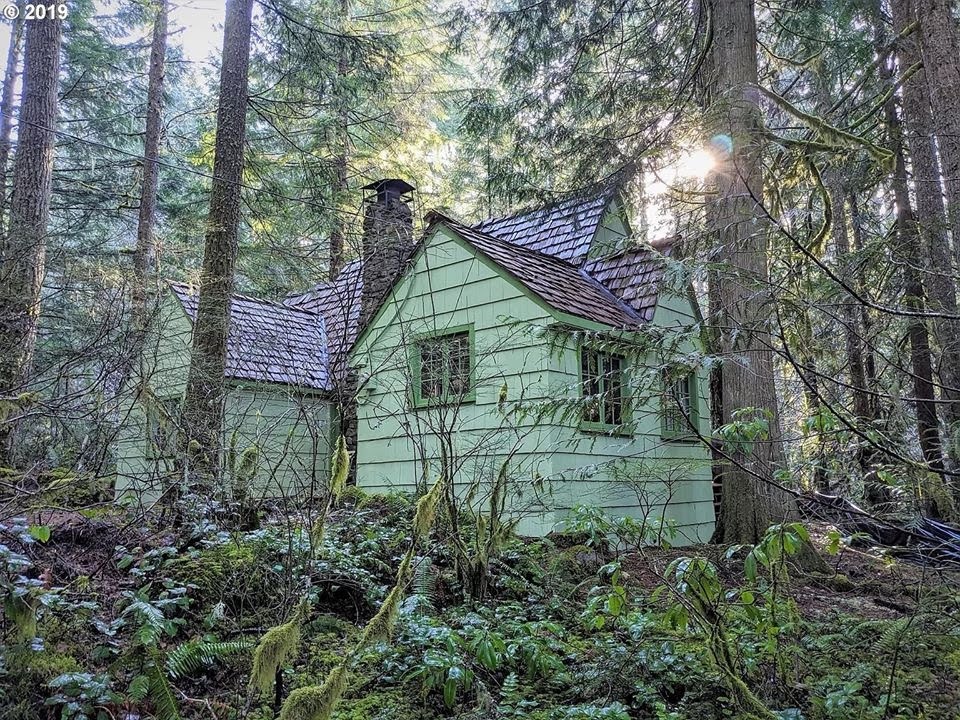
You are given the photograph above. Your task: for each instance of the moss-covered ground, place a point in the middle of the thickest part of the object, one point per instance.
(97, 610)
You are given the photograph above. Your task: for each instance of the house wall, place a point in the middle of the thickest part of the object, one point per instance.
(644, 475)
(289, 427)
(553, 464)
(612, 232)
(451, 287)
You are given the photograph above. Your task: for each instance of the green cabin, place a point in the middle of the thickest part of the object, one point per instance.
(546, 352)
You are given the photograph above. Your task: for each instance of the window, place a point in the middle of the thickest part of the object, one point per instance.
(679, 405)
(162, 417)
(442, 366)
(605, 387)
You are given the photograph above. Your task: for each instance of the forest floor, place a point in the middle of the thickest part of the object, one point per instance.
(110, 617)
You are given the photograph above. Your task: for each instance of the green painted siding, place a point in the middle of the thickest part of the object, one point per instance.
(552, 463)
(289, 427)
(613, 231)
(644, 475)
(449, 288)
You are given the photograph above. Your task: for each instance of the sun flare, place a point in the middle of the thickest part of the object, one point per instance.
(697, 164)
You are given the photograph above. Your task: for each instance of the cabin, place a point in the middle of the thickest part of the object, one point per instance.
(545, 353)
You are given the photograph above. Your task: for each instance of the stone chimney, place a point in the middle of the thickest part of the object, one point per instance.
(387, 240)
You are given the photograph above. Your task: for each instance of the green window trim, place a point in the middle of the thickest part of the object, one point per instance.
(416, 359)
(623, 406)
(675, 425)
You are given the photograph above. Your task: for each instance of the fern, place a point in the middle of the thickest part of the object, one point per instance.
(161, 694)
(425, 583)
(194, 655)
(894, 634)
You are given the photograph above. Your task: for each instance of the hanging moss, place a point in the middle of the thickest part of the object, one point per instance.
(274, 648)
(339, 468)
(316, 702)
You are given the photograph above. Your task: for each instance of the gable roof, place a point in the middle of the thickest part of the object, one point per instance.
(269, 342)
(635, 276)
(562, 286)
(563, 230)
(338, 303)
(305, 340)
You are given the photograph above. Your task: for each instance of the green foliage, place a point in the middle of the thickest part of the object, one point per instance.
(624, 646)
(316, 702)
(748, 426)
(192, 656)
(276, 646)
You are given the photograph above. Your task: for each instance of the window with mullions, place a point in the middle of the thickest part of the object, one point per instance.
(679, 406)
(442, 367)
(604, 384)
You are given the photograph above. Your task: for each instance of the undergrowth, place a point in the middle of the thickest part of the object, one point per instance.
(568, 629)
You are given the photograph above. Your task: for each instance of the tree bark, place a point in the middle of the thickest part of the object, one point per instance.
(6, 110)
(747, 504)
(144, 258)
(908, 249)
(940, 285)
(204, 400)
(24, 248)
(852, 331)
(341, 160)
(866, 320)
(940, 50)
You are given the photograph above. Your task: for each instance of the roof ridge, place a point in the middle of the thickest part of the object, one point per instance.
(520, 249)
(252, 298)
(583, 198)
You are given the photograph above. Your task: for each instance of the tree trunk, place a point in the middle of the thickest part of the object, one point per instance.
(6, 110)
(907, 248)
(747, 504)
(875, 411)
(144, 258)
(204, 400)
(941, 289)
(853, 338)
(341, 160)
(24, 248)
(940, 50)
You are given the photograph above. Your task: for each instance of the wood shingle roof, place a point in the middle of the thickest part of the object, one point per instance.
(304, 340)
(563, 286)
(563, 230)
(270, 342)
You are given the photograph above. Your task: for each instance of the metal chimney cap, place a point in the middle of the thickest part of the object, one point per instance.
(390, 185)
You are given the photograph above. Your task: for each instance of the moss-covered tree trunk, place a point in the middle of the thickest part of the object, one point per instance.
(24, 247)
(907, 248)
(940, 49)
(940, 285)
(743, 292)
(144, 258)
(204, 401)
(6, 109)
